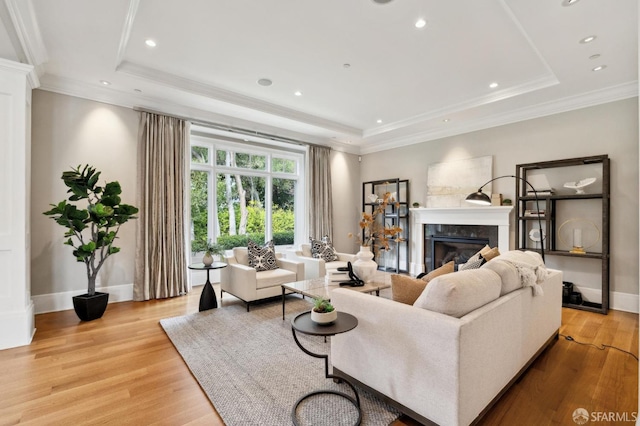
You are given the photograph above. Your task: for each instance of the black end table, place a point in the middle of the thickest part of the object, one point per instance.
(208, 299)
(302, 324)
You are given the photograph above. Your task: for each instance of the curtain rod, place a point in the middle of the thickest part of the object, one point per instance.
(232, 129)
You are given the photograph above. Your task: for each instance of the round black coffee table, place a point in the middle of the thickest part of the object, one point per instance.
(302, 324)
(208, 299)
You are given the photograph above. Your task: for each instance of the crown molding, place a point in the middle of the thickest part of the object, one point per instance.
(597, 97)
(191, 86)
(24, 31)
(540, 83)
(70, 87)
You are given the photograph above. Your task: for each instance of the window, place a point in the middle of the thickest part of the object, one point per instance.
(241, 192)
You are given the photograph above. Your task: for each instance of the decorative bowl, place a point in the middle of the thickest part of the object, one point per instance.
(324, 317)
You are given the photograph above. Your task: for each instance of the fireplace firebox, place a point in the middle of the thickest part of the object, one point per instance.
(443, 243)
(460, 250)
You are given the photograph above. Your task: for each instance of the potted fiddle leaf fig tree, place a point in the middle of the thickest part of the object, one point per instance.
(92, 219)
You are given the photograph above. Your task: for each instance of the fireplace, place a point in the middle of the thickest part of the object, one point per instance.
(445, 249)
(454, 242)
(461, 222)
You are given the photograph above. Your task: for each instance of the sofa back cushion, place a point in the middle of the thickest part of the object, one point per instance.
(508, 274)
(306, 250)
(461, 292)
(242, 255)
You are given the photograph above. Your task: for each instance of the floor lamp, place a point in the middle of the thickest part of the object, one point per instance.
(481, 198)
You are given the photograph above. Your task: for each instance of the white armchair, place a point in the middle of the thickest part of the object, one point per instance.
(315, 268)
(248, 285)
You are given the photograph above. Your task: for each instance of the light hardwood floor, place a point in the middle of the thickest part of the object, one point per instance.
(122, 369)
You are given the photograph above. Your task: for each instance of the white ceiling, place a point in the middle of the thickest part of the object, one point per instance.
(210, 54)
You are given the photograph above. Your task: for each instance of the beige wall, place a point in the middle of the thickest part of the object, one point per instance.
(605, 129)
(346, 188)
(68, 131)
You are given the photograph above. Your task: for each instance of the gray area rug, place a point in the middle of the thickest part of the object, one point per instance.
(253, 372)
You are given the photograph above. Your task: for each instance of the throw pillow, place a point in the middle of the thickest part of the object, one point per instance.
(489, 253)
(405, 289)
(447, 268)
(262, 258)
(323, 249)
(474, 262)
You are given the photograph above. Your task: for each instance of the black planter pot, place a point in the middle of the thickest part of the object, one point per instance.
(90, 307)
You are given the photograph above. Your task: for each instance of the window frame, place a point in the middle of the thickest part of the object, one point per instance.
(214, 144)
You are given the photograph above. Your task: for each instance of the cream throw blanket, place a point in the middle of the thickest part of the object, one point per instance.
(530, 267)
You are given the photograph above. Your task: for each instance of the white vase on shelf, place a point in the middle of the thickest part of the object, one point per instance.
(364, 266)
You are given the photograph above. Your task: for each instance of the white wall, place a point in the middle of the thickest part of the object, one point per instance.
(605, 129)
(68, 131)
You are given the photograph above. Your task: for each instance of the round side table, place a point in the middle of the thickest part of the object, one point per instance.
(208, 298)
(302, 324)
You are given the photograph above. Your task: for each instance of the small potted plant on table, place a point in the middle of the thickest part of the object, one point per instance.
(323, 312)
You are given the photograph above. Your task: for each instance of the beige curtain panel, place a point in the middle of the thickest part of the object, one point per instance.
(161, 253)
(320, 215)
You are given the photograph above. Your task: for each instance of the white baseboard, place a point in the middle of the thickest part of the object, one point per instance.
(618, 301)
(54, 302)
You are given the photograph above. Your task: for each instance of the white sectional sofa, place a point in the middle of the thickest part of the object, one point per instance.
(439, 368)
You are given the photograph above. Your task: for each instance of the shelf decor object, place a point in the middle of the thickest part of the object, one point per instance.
(581, 230)
(580, 185)
(584, 239)
(481, 198)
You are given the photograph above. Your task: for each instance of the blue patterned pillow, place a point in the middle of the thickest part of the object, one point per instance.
(262, 258)
(323, 249)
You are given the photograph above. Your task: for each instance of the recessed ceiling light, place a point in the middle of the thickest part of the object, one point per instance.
(346, 65)
(446, 120)
(105, 82)
(382, 1)
(379, 121)
(588, 39)
(493, 85)
(149, 42)
(420, 23)
(599, 68)
(596, 56)
(569, 2)
(137, 90)
(265, 82)
(298, 93)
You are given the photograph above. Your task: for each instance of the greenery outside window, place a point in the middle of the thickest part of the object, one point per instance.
(241, 192)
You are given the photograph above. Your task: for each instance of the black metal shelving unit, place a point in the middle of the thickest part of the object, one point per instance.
(551, 203)
(397, 259)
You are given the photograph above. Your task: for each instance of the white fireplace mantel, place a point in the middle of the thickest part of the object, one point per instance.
(489, 215)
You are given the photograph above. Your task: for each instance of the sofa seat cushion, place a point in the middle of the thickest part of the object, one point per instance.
(461, 292)
(405, 289)
(274, 277)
